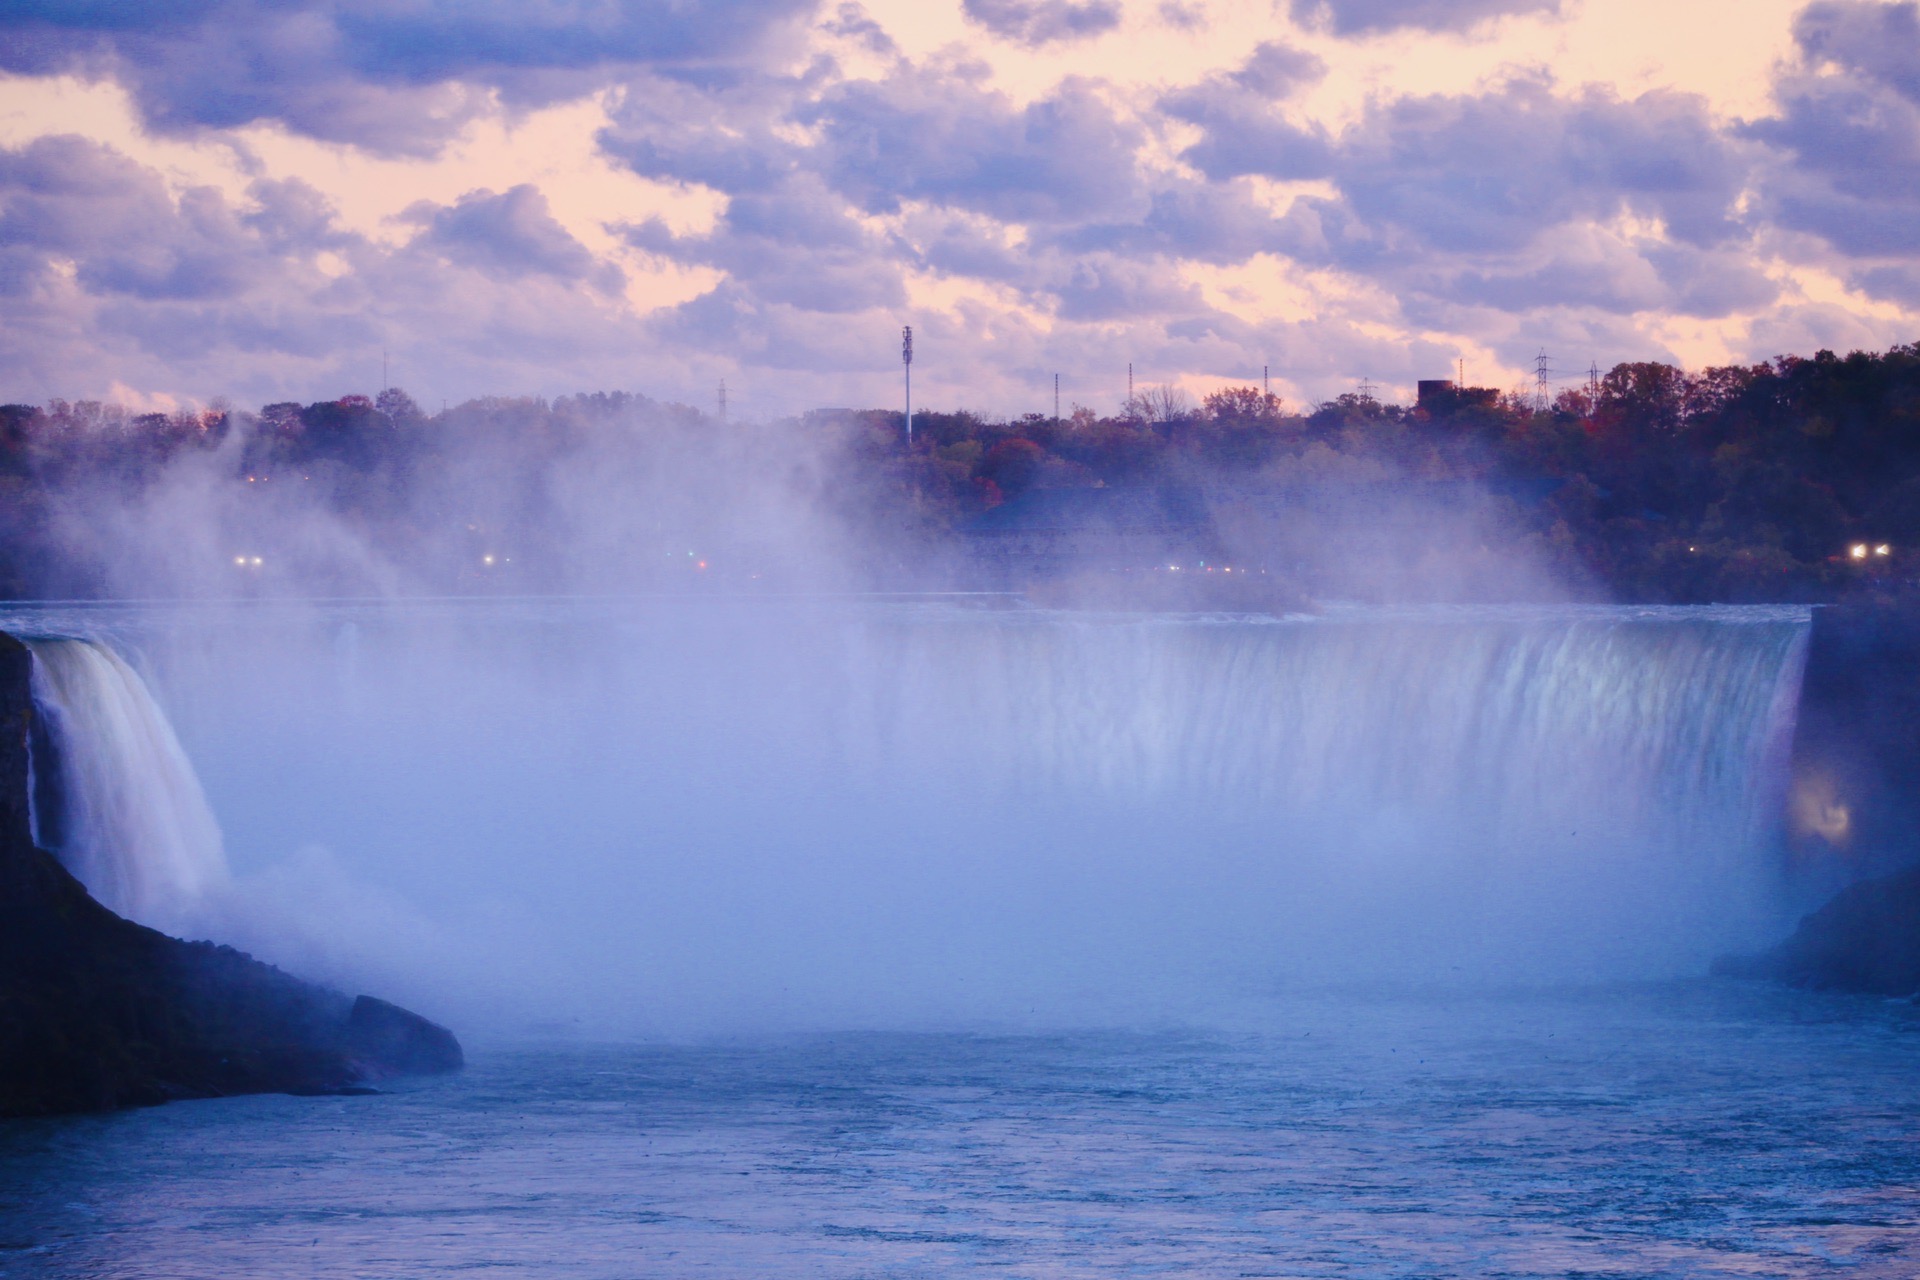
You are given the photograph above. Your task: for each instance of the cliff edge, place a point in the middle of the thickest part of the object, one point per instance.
(98, 1012)
(1867, 939)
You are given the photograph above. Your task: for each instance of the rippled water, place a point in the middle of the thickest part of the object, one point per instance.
(1690, 1130)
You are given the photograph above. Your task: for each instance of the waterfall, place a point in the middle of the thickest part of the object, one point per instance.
(1661, 717)
(115, 798)
(734, 812)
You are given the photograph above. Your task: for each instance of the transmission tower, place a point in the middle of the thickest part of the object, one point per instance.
(1367, 388)
(1056, 400)
(1542, 375)
(723, 401)
(906, 363)
(1266, 384)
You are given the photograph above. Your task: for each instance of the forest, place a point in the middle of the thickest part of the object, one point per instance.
(1795, 480)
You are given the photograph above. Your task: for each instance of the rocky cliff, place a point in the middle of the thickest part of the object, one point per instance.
(1867, 940)
(98, 1012)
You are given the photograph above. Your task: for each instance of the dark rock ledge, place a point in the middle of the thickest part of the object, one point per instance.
(1867, 939)
(97, 1012)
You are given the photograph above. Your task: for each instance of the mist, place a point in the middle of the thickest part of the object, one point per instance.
(603, 718)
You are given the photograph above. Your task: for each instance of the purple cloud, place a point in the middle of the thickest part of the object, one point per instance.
(509, 235)
(1365, 17)
(1039, 22)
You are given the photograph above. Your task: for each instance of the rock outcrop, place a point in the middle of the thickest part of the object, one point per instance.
(1867, 939)
(98, 1012)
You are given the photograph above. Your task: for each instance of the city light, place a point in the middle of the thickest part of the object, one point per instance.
(1858, 551)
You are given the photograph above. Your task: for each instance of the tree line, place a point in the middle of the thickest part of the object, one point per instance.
(1797, 479)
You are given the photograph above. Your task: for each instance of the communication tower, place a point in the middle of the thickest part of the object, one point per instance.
(723, 401)
(906, 363)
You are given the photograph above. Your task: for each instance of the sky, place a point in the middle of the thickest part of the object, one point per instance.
(262, 200)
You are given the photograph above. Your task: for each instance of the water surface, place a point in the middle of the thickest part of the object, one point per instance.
(1694, 1130)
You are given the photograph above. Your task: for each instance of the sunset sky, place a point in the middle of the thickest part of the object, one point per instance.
(202, 198)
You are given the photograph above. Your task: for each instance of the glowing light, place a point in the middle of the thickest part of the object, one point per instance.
(1858, 551)
(1817, 809)
(1882, 550)
(239, 559)
(255, 562)
(701, 565)
(486, 559)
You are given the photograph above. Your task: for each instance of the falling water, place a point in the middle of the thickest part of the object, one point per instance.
(739, 814)
(120, 805)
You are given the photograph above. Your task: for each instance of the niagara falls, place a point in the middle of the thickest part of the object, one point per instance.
(1037, 638)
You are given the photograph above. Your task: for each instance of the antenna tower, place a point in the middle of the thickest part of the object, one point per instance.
(1129, 386)
(1266, 384)
(906, 362)
(723, 400)
(384, 384)
(1056, 399)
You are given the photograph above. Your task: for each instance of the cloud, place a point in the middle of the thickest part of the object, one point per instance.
(1243, 130)
(398, 78)
(69, 202)
(509, 235)
(113, 275)
(1849, 129)
(1275, 70)
(1366, 17)
(1064, 157)
(844, 186)
(852, 22)
(795, 246)
(1039, 22)
(1483, 172)
(725, 136)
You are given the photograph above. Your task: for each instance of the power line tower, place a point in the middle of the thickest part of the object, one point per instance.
(1129, 386)
(906, 363)
(1367, 388)
(1266, 384)
(1593, 382)
(1542, 375)
(723, 402)
(1056, 400)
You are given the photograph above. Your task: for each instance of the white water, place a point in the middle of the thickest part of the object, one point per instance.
(135, 827)
(690, 816)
